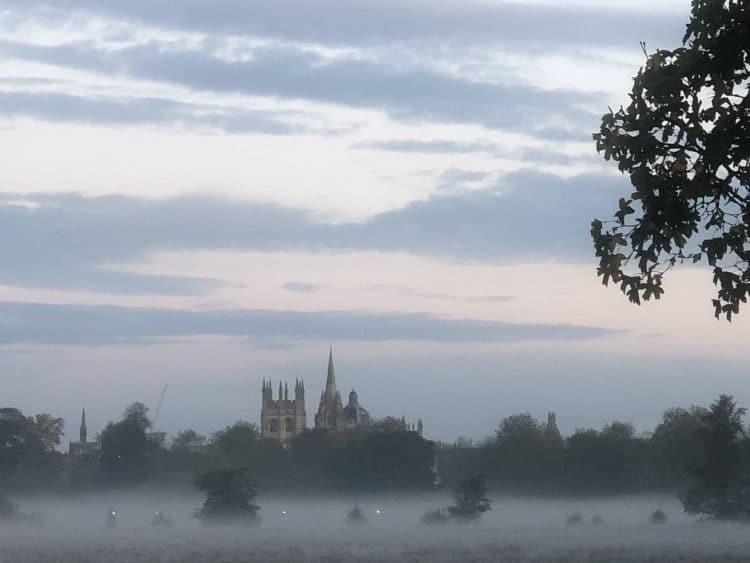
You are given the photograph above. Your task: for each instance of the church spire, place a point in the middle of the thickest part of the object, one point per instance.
(331, 379)
(84, 430)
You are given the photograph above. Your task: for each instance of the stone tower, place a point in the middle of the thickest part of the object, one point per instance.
(330, 411)
(283, 419)
(84, 431)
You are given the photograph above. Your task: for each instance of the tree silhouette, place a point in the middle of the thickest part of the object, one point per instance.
(684, 140)
(470, 499)
(230, 497)
(719, 490)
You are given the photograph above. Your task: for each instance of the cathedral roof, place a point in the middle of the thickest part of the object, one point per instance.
(354, 413)
(331, 379)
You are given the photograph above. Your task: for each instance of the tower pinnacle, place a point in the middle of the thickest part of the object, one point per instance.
(84, 430)
(331, 379)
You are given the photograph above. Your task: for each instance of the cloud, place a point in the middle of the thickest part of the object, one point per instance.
(458, 178)
(440, 146)
(364, 22)
(35, 323)
(301, 287)
(69, 241)
(141, 111)
(415, 93)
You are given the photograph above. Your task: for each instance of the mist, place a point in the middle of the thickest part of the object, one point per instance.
(315, 528)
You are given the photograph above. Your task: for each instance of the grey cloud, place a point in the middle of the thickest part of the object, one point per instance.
(413, 292)
(405, 94)
(66, 241)
(148, 111)
(301, 287)
(366, 22)
(428, 147)
(547, 154)
(35, 323)
(457, 178)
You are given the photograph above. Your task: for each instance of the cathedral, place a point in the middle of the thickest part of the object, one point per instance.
(84, 448)
(284, 419)
(332, 415)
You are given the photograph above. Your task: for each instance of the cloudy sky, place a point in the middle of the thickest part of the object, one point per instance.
(206, 194)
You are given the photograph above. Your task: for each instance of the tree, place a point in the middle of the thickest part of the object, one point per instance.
(673, 443)
(525, 456)
(188, 442)
(230, 497)
(720, 490)
(389, 424)
(27, 448)
(47, 430)
(126, 449)
(138, 414)
(470, 499)
(684, 140)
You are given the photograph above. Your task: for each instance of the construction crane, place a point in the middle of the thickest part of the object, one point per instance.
(158, 406)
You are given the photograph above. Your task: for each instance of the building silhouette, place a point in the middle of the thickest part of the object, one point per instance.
(332, 415)
(284, 418)
(84, 448)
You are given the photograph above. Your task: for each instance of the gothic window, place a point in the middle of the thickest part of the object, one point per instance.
(273, 425)
(289, 424)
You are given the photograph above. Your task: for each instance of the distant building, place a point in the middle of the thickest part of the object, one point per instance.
(283, 419)
(84, 448)
(332, 415)
(355, 415)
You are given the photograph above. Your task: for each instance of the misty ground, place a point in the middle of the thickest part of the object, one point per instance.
(315, 530)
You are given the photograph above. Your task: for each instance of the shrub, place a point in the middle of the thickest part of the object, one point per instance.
(658, 517)
(574, 519)
(434, 517)
(7, 508)
(356, 516)
(470, 500)
(230, 497)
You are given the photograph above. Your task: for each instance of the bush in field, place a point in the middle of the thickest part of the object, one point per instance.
(356, 516)
(7, 508)
(230, 497)
(435, 517)
(574, 519)
(658, 517)
(470, 500)
(598, 520)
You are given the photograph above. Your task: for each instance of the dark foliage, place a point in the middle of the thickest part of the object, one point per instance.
(470, 499)
(356, 516)
(230, 497)
(27, 450)
(435, 517)
(7, 508)
(658, 517)
(721, 489)
(574, 519)
(127, 453)
(684, 141)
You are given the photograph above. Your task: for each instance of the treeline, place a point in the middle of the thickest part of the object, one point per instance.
(524, 456)
(386, 456)
(28, 450)
(527, 456)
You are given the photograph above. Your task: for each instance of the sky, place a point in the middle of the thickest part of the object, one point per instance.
(208, 194)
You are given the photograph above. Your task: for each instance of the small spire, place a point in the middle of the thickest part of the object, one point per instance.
(331, 379)
(84, 430)
(280, 389)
